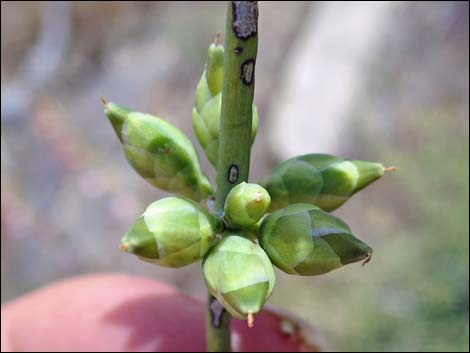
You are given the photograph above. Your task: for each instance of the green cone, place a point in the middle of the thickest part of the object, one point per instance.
(159, 152)
(208, 103)
(245, 205)
(302, 239)
(239, 274)
(172, 232)
(320, 179)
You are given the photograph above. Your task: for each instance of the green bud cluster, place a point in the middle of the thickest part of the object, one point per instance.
(320, 179)
(238, 247)
(208, 104)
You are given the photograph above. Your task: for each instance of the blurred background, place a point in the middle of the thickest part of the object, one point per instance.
(381, 81)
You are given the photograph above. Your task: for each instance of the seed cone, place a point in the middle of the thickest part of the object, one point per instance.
(208, 104)
(302, 239)
(159, 152)
(239, 274)
(172, 232)
(319, 179)
(245, 205)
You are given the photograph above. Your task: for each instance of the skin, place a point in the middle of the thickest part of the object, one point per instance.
(111, 312)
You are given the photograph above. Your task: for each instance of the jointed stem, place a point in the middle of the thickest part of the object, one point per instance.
(241, 46)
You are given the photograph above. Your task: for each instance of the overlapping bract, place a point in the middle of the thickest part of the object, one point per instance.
(319, 179)
(208, 103)
(159, 152)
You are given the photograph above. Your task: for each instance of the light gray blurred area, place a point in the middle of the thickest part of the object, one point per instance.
(379, 81)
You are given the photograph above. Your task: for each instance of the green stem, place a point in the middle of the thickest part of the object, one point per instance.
(241, 46)
(217, 326)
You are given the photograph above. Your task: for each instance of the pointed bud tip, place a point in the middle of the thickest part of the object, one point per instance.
(217, 38)
(251, 320)
(105, 102)
(390, 169)
(258, 197)
(125, 246)
(368, 258)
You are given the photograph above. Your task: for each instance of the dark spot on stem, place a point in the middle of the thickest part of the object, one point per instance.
(248, 72)
(232, 174)
(217, 312)
(238, 50)
(245, 19)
